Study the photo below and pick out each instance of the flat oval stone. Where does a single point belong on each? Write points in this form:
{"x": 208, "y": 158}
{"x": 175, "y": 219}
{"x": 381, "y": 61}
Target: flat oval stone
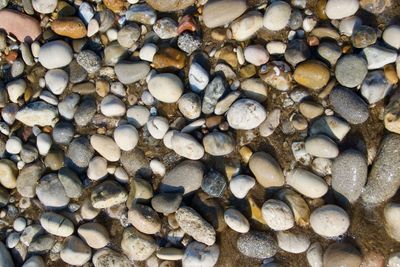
{"x": 187, "y": 146}
{"x": 106, "y": 147}
{"x": 312, "y": 74}
{"x": 246, "y": 114}
{"x": 218, "y": 144}
{"x": 55, "y": 54}
{"x": 343, "y": 254}
{"x": 293, "y": 242}
{"x": 8, "y": 173}
{"x": 247, "y": 25}
{"x": 351, "y": 70}
{"x": 236, "y": 221}
{"x": 75, "y": 251}
{"x": 199, "y": 254}
{"x": 56, "y": 224}
{"x": 277, "y": 215}
{"x": 277, "y": 16}
{"x": 217, "y": 13}
{"x": 255, "y": 244}
{"x": 307, "y": 183}
{"x": 169, "y": 6}
{"x": 391, "y": 36}
{"x": 37, "y": 113}
{"x": 266, "y": 170}
{"x": 137, "y": 246}
{"x": 166, "y": 87}
{"x": 321, "y": 146}
{"x": 329, "y": 221}
{"x": 24, "y": 27}
{"x": 339, "y": 9}
{"x": 240, "y": 185}
{"x": 73, "y": 27}
{"x": 128, "y": 73}
{"x": 144, "y": 219}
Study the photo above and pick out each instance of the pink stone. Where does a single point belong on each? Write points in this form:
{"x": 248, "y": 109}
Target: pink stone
{"x": 24, "y": 27}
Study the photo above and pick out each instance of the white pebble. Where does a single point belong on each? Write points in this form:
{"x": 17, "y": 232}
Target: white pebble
{"x": 14, "y": 145}
{"x": 329, "y": 221}
{"x": 240, "y": 185}
{"x": 157, "y": 167}
{"x": 236, "y": 221}
{"x": 148, "y": 51}
{"x": 112, "y": 106}
{"x": 277, "y": 215}
{"x": 19, "y": 224}
{"x": 43, "y": 143}
{"x": 158, "y": 127}
{"x": 277, "y": 16}
{"x": 339, "y": 9}
{"x": 276, "y": 47}
{"x": 97, "y": 168}
{"x": 126, "y": 136}
{"x": 307, "y": 183}
{"x": 293, "y": 243}
{"x": 256, "y": 55}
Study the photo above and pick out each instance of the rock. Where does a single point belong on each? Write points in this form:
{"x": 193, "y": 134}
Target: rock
{"x": 129, "y": 73}
{"x": 269, "y": 125}
{"x": 251, "y": 114}
{"x": 217, "y": 13}
{"x": 170, "y": 6}
{"x": 126, "y": 137}
{"x": 51, "y": 192}
{"x": 63, "y": 133}
{"x": 141, "y": 13}
{"x": 349, "y": 105}
{"x": 277, "y": 215}
{"x": 108, "y": 194}
{"x": 97, "y": 168}
{"x": 266, "y": 170}
{"x": 254, "y": 89}
{"x": 24, "y": 27}
{"x": 16, "y": 89}
{"x": 137, "y": 246}
{"x": 240, "y": 185}
{"x": 213, "y": 92}
{"x": 75, "y": 251}
{"x": 378, "y": 56}
{"x": 321, "y": 146}
{"x": 89, "y": 60}
{"x": 349, "y": 174}
{"x": 293, "y": 242}
{"x": 144, "y": 219}
{"x": 41, "y": 244}
{"x": 198, "y": 77}
{"x": 312, "y": 74}
{"x": 375, "y": 86}
{"x": 148, "y": 51}
{"x": 70, "y": 27}
{"x": 56, "y": 224}
{"x": 106, "y": 147}
{"x": 391, "y": 215}
{"x": 71, "y": 182}
{"x": 187, "y": 146}
{"x": 390, "y": 36}
{"x": 310, "y": 109}
{"x": 54, "y": 160}
{"x": 384, "y": 177}
{"x": 189, "y": 42}
{"x": 199, "y": 255}
{"x": 157, "y": 127}
{"x": 56, "y": 81}
{"x": 276, "y": 47}
{"x": 349, "y": 24}
{"x": 277, "y": 16}
{"x": 169, "y": 58}
{"x": 128, "y": 35}
{"x": 329, "y": 221}
{"x": 28, "y": 178}
{"x": 246, "y": 26}
{"x": 8, "y": 173}
{"x": 138, "y": 116}
{"x": 297, "y": 52}
{"x": 342, "y": 254}
{"x": 79, "y": 154}
{"x": 37, "y": 113}
{"x": 107, "y": 257}
{"x": 113, "y": 53}
{"x": 392, "y": 112}
{"x": 166, "y": 87}
{"x": 256, "y": 55}
{"x": 330, "y": 126}
{"x": 135, "y": 162}
{"x": 166, "y": 202}
{"x": 307, "y": 183}
{"x": 351, "y": 70}
{"x": 257, "y": 245}
{"x": 213, "y": 183}
{"x": 68, "y": 106}
{"x": 190, "y": 105}
{"x": 55, "y": 54}
{"x": 330, "y": 51}
{"x": 314, "y": 255}
{"x": 339, "y": 9}
{"x": 236, "y": 221}
{"x": 112, "y": 106}
{"x": 29, "y": 153}
{"x": 94, "y": 234}
{"x": 34, "y": 261}
{"x": 218, "y": 144}
{"x": 194, "y": 225}
{"x": 297, "y": 205}
{"x": 5, "y": 256}
{"x": 115, "y": 5}
{"x": 363, "y": 36}
{"x": 87, "y": 211}
{"x": 166, "y": 28}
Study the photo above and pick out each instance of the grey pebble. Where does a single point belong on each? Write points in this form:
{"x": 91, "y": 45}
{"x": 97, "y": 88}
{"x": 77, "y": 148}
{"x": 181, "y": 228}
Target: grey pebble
{"x": 166, "y": 202}
{"x": 255, "y": 244}
{"x": 29, "y": 153}
{"x": 214, "y": 90}
{"x": 63, "y": 133}
{"x": 189, "y": 42}
{"x": 135, "y": 163}
{"x": 85, "y": 111}
{"x": 214, "y": 184}
{"x": 71, "y": 182}
{"x": 28, "y": 178}
{"x": 351, "y": 70}
{"x": 79, "y": 154}
{"x": 375, "y": 86}
{"x": 89, "y": 60}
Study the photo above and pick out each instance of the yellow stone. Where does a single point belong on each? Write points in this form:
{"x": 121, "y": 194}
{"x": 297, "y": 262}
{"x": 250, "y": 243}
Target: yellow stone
{"x": 312, "y": 74}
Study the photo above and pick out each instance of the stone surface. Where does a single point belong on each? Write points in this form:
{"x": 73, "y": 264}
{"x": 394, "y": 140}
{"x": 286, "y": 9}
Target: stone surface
{"x": 329, "y": 221}
{"x": 8, "y": 173}
{"x": 277, "y": 215}
{"x": 166, "y": 87}
{"x": 144, "y": 219}
{"x": 257, "y": 245}
{"x": 351, "y": 70}
{"x": 217, "y": 13}
{"x": 51, "y": 192}
{"x": 37, "y": 113}
{"x": 321, "y": 146}
{"x": 75, "y": 251}
{"x": 199, "y": 255}
{"x": 312, "y": 74}
{"x": 94, "y": 234}
{"x": 24, "y": 27}
{"x": 187, "y": 146}
{"x": 213, "y": 183}
{"x": 108, "y": 194}
{"x": 293, "y": 242}
{"x": 307, "y": 183}
{"x": 266, "y": 170}
{"x": 56, "y": 224}
{"x": 277, "y": 16}
{"x": 55, "y": 54}
{"x": 69, "y": 27}
{"x": 342, "y": 254}
{"x": 240, "y": 185}
{"x": 169, "y": 6}
{"x": 106, "y": 147}
{"x": 246, "y": 114}
{"x": 128, "y": 73}
{"x": 218, "y": 144}
{"x": 339, "y": 9}
{"x": 246, "y": 26}
{"x": 137, "y": 246}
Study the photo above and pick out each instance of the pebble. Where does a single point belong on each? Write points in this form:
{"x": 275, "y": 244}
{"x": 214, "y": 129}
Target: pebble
{"x": 277, "y": 16}
{"x": 330, "y": 51}
{"x": 310, "y": 109}
{"x": 113, "y": 53}
{"x": 194, "y": 225}
{"x": 72, "y": 27}
{"x": 89, "y": 60}
{"x": 312, "y": 74}
{"x": 390, "y": 36}
{"x": 97, "y": 168}
{"x": 339, "y": 9}
{"x": 108, "y": 257}
{"x": 214, "y": 183}
{"x": 276, "y": 47}
{"x": 166, "y": 28}
{"x": 293, "y": 242}
{"x": 213, "y": 92}
{"x": 87, "y": 211}
{"x": 378, "y": 56}
{"x": 106, "y": 147}
{"x": 329, "y": 221}
{"x": 246, "y": 114}
{"x": 166, "y": 202}
{"x": 129, "y": 73}
{"x": 19, "y": 224}
{"x": 363, "y": 36}
{"x": 94, "y": 234}
{"x": 112, "y": 106}
{"x": 307, "y": 183}
{"x": 55, "y": 54}
{"x": 15, "y": 89}
{"x": 269, "y": 125}
{"x": 137, "y": 246}
{"x": 79, "y": 154}
{"x": 75, "y": 251}
{"x": 190, "y": 105}
{"x": 24, "y": 27}
{"x": 330, "y": 126}
{"x": 218, "y": 144}
{"x": 37, "y": 113}
{"x": 71, "y": 182}
{"x": 236, "y": 221}
{"x": 5, "y": 256}
{"x": 148, "y": 51}
{"x": 126, "y": 137}
{"x": 321, "y": 146}
{"x": 266, "y": 170}
{"x": 314, "y": 255}
{"x": 257, "y": 245}
{"x": 44, "y": 6}
{"x": 187, "y": 146}
{"x": 256, "y": 55}
{"x": 56, "y": 81}
{"x": 277, "y": 215}
{"x": 240, "y": 185}
{"x": 349, "y": 24}
{"x": 51, "y": 192}
{"x": 246, "y": 26}
{"x": 391, "y": 215}
{"x": 138, "y": 116}
{"x": 14, "y": 145}
{"x": 56, "y": 224}
{"x": 27, "y": 178}
{"x": 342, "y": 254}
{"x": 297, "y": 204}
{"x": 375, "y": 86}
{"x": 135, "y": 162}
{"x": 141, "y": 13}
{"x": 144, "y": 219}
{"x": 351, "y": 70}
{"x": 166, "y": 87}
{"x": 157, "y": 127}
{"x": 43, "y": 143}
{"x": 198, "y": 77}
{"x": 197, "y": 254}
{"x": 63, "y": 133}
{"x": 12, "y": 240}
{"x": 189, "y": 42}
{"x": 220, "y": 12}
{"x": 108, "y": 194}
{"x": 128, "y": 35}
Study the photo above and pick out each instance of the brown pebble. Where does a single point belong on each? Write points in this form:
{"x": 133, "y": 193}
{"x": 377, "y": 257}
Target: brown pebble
{"x": 312, "y": 74}
{"x": 102, "y": 88}
{"x": 85, "y": 88}
{"x": 132, "y": 99}
{"x": 115, "y": 5}
{"x": 320, "y": 9}
{"x": 246, "y": 153}
{"x": 313, "y": 41}
{"x": 391, "y": 74}
{"x": 224, "y": 126}
{"x": 218, "y": 34}
{"x": 11, "y": 56}
{"x": 299, "y": 122}
{"x": 328, "y": 88}
{"x": 247, "y": 71}
{"x": 70, "y": 27}
{"x": 213, "y": 121}
{"x": 169, "y": 57}
{"x": 229, "y": 56}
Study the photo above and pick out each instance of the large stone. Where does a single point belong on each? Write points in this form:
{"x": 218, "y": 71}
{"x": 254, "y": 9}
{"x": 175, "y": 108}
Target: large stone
{"x": 170, "y": 5}
{"x": 312, "y": 74}
{"x": 259, "y": 245}
{"x": 55, "y": 54}
{"x": 28, "y": 178}
{"x": 217, "y": 13}
{"x": 37, "y": 113}
{"x": 246, "y": 114}
{"x": 70, "y": 27}
{"x": 137, "y": 246}
{"x": 8, "y": 173}
{"x": 107, "y": 257}
{"x": 266, "y": 170}
{"x": 106, "y": 147}
{"x": 24, "y": 27}
{"x": 108, "y": 194}
{"x": 128, "y": 73}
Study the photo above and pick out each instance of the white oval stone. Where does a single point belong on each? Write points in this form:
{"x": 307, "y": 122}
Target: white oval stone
{"x": 187, "y": 146}
{"x": 339, "y": 9}
{"x": 97, "y": 168}
{"x": 240, "y": 185}
{"x": 329, "y": 221}
{"x": 106, "y": 147}
{"x": 158, "y": 127}
{"x": 166, "y": 87}
{"x": 236, "y": 221}
{"x": 307, "y": 183}
{"x": 157, "y": 167}
{"x": 55, "y": 54}
{"x": 246, "y": 114}
{"x": 392, "y": 217}
{"x": 293, "y": 243}
{"x": 276, "y": 47}
{"x": 348, "y": 25}
{"x": 14, "y": 145}
{"x": 391, "y": 36}
{"x": 112, "y": 106}
{"x": 43, "y": 143}
{"x": 15, "y": 89}
{"x": 277, "y": 215}
{"x": 277, "y": 16}
{"x": 138, "y": 116}
{"x": 246, "y": 26}
{"x": 148, "y": 51}
{"x": 126, "y": 136}
{"x": 198, "y": 77}
{"x": 321, "y": 146}
{"x": 314, "y": 255}
{"x": 56, "y": 224}
{"x": 256, "y": 55}
{"x": 56, "y": 81}
{"x": 75, "y": 251}
{"x": 94, "y": 234}
{"x": 34, "y": 261}
{"x": 167, "y": 140}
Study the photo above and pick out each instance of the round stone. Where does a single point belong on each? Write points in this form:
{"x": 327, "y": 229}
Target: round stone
{"x": 14, "y": 145}
{"x": 106, "y": 147}
{"x": 351, "y": 70}
{"x": 256, "y": 55}
{"x": 190, "y": 105}
{"x": 144, "y": 219}
{"x": 221, "y": 12}
{"x": 51, "y": 192}
{"x": 56, "y": 81}
{"x": 307, "y": 183}
{"x": 257, "y": 245}
{"x": 312, "y": 74}
{"x": 166, "y": 87}
{"x": 339, "y": 9}
{"x": 218, "y": 144}
{"x": 44, "y": 6}
{"x": 277, "y": 215}
{"x": 128, "y": 35}
{"x": 266, "y": 170}
{"x": 342, "y": 254}
{"x": 236, "y": 221}
{"x": 293, "y": 242}
{"x": 246, "y": 114}
{"x": 247, "y": 25}
{"x": 329, "y": 221}
{"x": 94, "y": 234}
{"x": 158, "y": 127}
{"x": 321, "y": 146}
{"x": 97, "y": 168}
{"x": 138, "y": 116}
{"x": 391, "y": 36}
{"x": 55, "y": 54}
{"x": 137, "y": 246}
{"x": 240, "y": 185}
{"x": 277, "y": 16}
{"x": 75, "y": 251}
{"x": 112, "y": 106}
{"x": 200, "y": 255}
{"x": 187, "y": 146}
{"x": 56, "y": 224}
{"x": 126, "y": 136}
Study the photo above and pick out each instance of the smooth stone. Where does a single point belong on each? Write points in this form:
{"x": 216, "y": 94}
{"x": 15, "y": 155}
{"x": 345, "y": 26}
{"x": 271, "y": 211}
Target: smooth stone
{"x": 67, "y": 107}
{"x": 213, "y": 183}
{"x": 224, "y": 104}
{"x": 198, "y": 77}
{"x": 375, "y": 86}
{"x": 257, "y": 245}
{"x": 71, "y": 182}
{"x": 157, "y": 126}
{"x": 330, "y": 126}
{"x": 43, "y": 143}
{"x": 113, "y": 53}
{"x": 135, "y": 162}
{"x": 256, "y": 55}
{"x": 312, "y": 74}
{"x": 56, "y": 224}
{"x": 108, "y": 194}
{"x": 391, "y": 36}
{"x": 296, "y": 52}
{"x": 246, "y": 26}
{"x": 240, "y": 185}
{"x": 349, "y": 105}
{"x": 54, "y": 160}
{"x": 329, "y": 221}
{"x": 166, "y": 28}
{"x": 148, "y": 51}
{"x": 187, "y": 146}
{"x": 56, "y": 80}
{"x": 297, "y": 204}
{"x": 126, "y": 137}
{"x": 378, "y": 56}
{"x": 321, "y": 146}
{"x": 276, "y": 47}
{"x": 94, "y": 234}
{"x": 310, "y": 109}
{"x": 194, "y": 225}
{"x": 138, "y": 116}
{"x": 75, "y": 251}
{"x": 28, "y": 178}
{"x": 189, "y": 105}
{"x": 166, "y": 202}
{"x": 85, "y": 111}
{"x": 351, "y": 70}
{"x": 363, "y": 36}
{"x": 170, "y": 6}
{"x": 37, "y": 113}
{"x": 30, "y": 233}
{"x": 24, "y": 27}
{"x": 330, "y": 51}
{"x": 29, "y": 153}
{"x": 51, "y": 192}
{"x": 277, "y": 16}
{"x": 129, "y": 73}
{"x": 72, "y": 28}
{"x": 137, "y": 246}
{"x": 236, "y": 221}
{"x": 76, "y": 72}
{"x": 106, "y": 147}
{"x": 266, "y": 170}
{"x": 214, "y": 90}
{"x": 349, "y": 24}
{"x": 307, "y": 183}
{"x": 384, "y": 177}
{"x": 55, "y": 54}
{"x": 199, "y": 255}
{"x": 44, "y": 6}
{"x": 218, "y": 144}
{"x": 217, "y": 13}
{"x": 391, "y": 216}
{"x": 89, "y": 60}
{"x": 41, "y": 244}
{"x": 342, "y": 254}
{"x": 112, "y": 106}
{"x": 87, "y": 211}
{"x": 128, "y": 35}
{"x": 16, "y": 89}
{"x": 168, "y": 58}
{"x": 339, "y": 9}
{"x": 255, "y": 89}
{"x": 97, "y": 168}
{"x": 63, "y": 133}
{"x": 314, "y": 255}
{"x": 166, "y": 87}
{"x": 293, "y": 242}
{"x": 5, "y": 257}
{"x": 171, "y": 254}
{"x": 79, "y": 154}
{"x": 34, "y": 261}
{"x": 141, "y": 13}
{"x": 349, "y": 174}
{"x": 269, "y": 125}
{"x": 107, "y": 257}
{"x": 246, "y": 114}
{"x": 277, "y": 215}
{"x": 14, "y": 145}
{"x": 144, "y": 219}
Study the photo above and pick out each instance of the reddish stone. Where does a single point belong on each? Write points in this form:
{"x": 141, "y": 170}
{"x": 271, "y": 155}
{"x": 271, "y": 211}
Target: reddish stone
{"x": 11, "y": 57}
{"x": 187, "y": 24}
{"x": 24, "y": 27}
